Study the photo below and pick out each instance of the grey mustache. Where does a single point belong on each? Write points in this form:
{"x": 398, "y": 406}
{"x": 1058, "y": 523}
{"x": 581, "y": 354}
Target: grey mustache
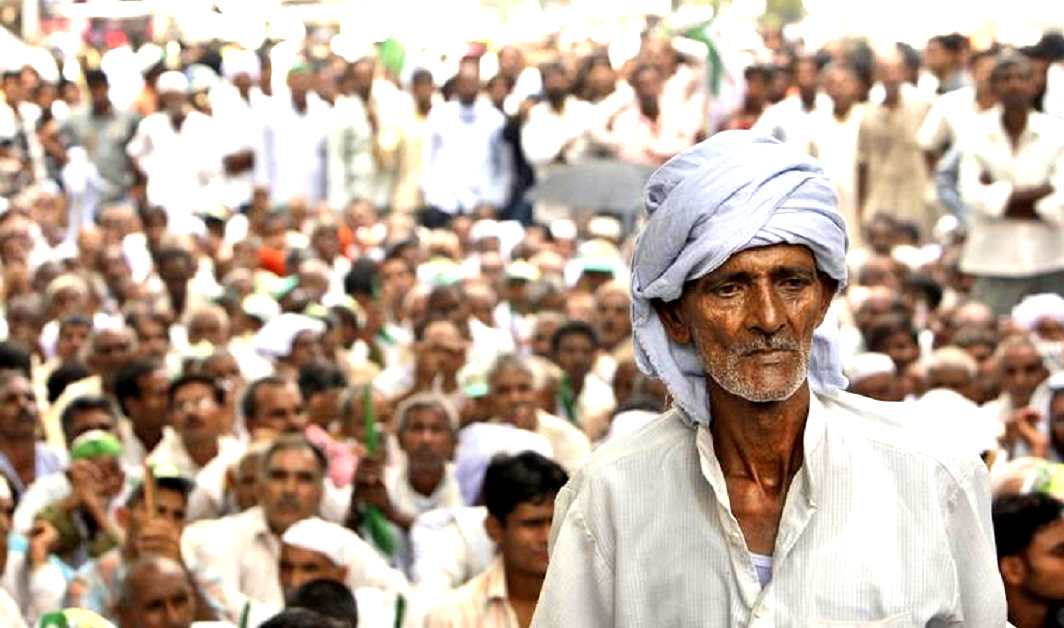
{"x": 774, "y": 343}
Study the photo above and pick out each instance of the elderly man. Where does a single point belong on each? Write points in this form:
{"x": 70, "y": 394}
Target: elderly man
{"x": 727, "y": 510}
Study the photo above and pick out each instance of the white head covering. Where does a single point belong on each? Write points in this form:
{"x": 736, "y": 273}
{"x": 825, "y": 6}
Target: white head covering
{"x": 1033, "y": 308}
{"x": 172, "y": 81}
{"x": 5, "y": 489}
{"x": 237, "y": 62}
{"x": 733, "y": 192}
{"x": 480, "y": 442}
{"x": 275, "y": 338}
{"x": 865, "y": 365}
{"x": 323, "y": 537}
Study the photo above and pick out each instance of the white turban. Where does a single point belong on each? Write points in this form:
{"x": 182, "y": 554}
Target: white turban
{"x": 275, "y": 338}
{"x": 323, "y": 537}
{"x": 480, "y": 442}
{"x": 241, "y": 62}
{"x": 736, "y": 191}
{"x": 1036, "y": 307}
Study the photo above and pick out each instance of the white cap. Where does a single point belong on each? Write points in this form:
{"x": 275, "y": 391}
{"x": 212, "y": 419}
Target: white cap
{"x": 5, "y": 488}
{"x": 480, "y": 442}
{"x": 236, "y": 62}
{"x": 172, "y": 81}
{"x": 275, "y": 338}
{"x": 606, "y": 227}
{"x": 1036, "y": 307}
{"x": 864, "y": 365}
{"x": 483, "y": 229}
{"x": 323, "y": 537}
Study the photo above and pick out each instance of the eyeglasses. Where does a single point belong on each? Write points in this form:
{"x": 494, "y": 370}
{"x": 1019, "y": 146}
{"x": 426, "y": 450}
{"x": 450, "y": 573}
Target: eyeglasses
{"x": 199, "y": 403}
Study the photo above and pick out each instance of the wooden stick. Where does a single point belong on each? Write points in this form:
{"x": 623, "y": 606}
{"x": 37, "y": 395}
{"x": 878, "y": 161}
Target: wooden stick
{"x": 149, "y": 491}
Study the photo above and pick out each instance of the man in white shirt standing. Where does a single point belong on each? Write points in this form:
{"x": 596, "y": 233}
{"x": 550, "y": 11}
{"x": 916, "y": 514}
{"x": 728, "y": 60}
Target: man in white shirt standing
{"x": 1012, "y": 179}
{"x": 466, "y": 163}
{"x": 766, "y": 496}
{"x": 556, "y": 132}
{"x": 293, "y": 152}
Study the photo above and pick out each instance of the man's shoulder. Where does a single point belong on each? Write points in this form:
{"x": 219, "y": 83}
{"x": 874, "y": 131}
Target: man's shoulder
{"x": 906, "y": 430}
{"x": 647, "y": 446}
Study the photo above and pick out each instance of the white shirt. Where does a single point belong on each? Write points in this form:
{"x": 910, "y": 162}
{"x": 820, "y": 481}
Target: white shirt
{"x": 549, "y": 135}
{"x": 171, "y": 450}
{"x": 239, "y": 129}
{"x": 354, "y": 170}
{"x": 293, "y": 156}
{"x": 881, "y": 527}
{"x": 949, "y": 119}
{"x": 10, "y": 615}
{"x": 789, "y": 121}
{"x": 466, "y": 161}
{"x": 1006, "y": 247}
{"x": 834, "y": 144}
{"x": 180, "y": 165}
{"x": 571, "y": 446}
{"x": 411, "y": 503}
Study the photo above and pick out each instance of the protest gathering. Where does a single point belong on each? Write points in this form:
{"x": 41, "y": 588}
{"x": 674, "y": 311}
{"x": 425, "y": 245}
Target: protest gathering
{"x": 655, "y": 318}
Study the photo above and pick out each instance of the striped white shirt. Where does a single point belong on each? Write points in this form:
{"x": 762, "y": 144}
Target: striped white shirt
{"x": 881, "y": 527}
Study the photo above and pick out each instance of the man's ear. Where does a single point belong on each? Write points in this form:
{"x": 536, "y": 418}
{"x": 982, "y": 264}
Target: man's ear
{"x": 494, "y": 529}
{"x": 672, "y": 318}
{"x": 1013, "y": 570}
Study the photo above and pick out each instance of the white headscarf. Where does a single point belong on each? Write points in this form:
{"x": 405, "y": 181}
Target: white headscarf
{"x": 736, "y": 191}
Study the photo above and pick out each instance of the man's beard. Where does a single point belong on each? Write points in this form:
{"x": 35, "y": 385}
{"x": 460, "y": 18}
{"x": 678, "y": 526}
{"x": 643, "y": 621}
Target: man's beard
{"x": 726, "y": 370}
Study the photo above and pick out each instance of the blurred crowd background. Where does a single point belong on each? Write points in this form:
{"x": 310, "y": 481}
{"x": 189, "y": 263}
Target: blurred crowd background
{"x": 320, "y": 303}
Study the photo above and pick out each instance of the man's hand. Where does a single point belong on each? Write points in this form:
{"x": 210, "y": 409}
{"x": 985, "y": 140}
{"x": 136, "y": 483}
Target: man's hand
{"x": 86, "y": 482}
{"x": 43, "y": 540}
{"x": 1021, "y": 205}
{"x": 1023, "y": 424}
{"x": 158, "y": 537}
{"x": 985, "y": 178}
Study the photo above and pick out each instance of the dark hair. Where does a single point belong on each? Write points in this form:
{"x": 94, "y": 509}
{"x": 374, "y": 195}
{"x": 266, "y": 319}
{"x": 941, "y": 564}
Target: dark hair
{"x": 327, "y": 597}
{"x": 249, "y": 404}
{"x": 76, "y": 320}
{"x": 1017, "y": 518}
{"x": 573, "y": 328}
{"x": 14, "y": 357}
{"x": 420, "y": 76}
{"x": 187, "y": 379}
{"x": 758, "y": 71}
{"x": 127, "y": 385}
{"x": 175, "y": 484}
{"x": 95, "y": 78}
{"x": 885, "y": 327}
{"x": 302, "y": 618}
{"x": 320, "y": 376}
{"x": 65, "y": 375}
{"x": 289, "y": 442}
{"x": 87, "y": 403}
{"x": 953, "y": 42}
{"x": 527, "y": 477}
{"x": 363, "y": 278}
{"x": 909, "y": 56}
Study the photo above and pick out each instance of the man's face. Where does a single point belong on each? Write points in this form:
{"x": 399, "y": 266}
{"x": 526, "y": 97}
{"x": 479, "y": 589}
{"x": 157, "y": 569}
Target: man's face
{"x": 427, "y": 439}
{"x": 150, "y": 407}
{"x": 91, "y": 419}
{"x": 936, "y": 57}
{"x": 18, "y": 409}
{"x": 306, "y": 348}
{"x": 648, "y": 85}
{"x": 327, "y": 244}
{"x": 612, "y": 321}
{"x": 541, "y": 337}
{"x": 806, "y": 77}
{"x": 1022, "y": 370}
{"x": 556, "y": 85}
{"x": 951, "y": 378}
{"x": 1044, "y": 565}
{"x": 280, "y": 408}
{"x": 111, "y": 349}
{"x": 299, "y": 566}
{"x": 323, "y": 408}
{"x": 841, "y": 85}
{"x": 246, "y": 482}
{"x": 292, "y": 488}
{"x": 522, "y": 539}
{"x": 752, "y": 320}
{"x": 467, "y": 84}
{"x": 208, "y": 326}
{"x": 396, "y": 279}
{"x": 175, "y": 272}
{"x": 1015, "y": 86}
{"x": 72, "y": 337}
{"x": 443, "y": 349}
{"x": 902, "y": 349}
{"x": 170, "y": 505}
{"x": 515, "y": 398}
{"x": 195, "y": 413}
{"x": 159, "y": 599}
{"x": 224, "y": 369}
{"x": 153, "y": 340}
{"x": 576, "y": 355}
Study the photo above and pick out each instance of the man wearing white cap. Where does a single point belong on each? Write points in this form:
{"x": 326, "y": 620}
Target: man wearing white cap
{"x": 874, "y": 375}
{"x": 177, "y": 150}
{"x": 238, "y": 105}
{"x": 765, "y": 496}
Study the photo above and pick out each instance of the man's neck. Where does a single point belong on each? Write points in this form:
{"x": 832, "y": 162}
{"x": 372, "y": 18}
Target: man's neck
{"x": 201, "y": 451}
{"x": 984, "y": 99}
{"x": 759, "y": 442}
{"x": 426, "y": 481}
{"x": 149, "y": 436}
{"x": 522, "y": 587}
{"x": 808, "y": 100}
{"x": 22, "y": 454}
{"x": 842, "y": 111}
{"x": 1025, "y": 612}
{"x": 1014, "y": 119}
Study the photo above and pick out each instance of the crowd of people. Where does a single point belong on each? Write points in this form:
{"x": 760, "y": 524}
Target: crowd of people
{"x": 307, "y": 352}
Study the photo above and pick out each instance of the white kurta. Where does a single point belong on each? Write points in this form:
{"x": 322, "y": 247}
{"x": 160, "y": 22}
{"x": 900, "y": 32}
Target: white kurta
{"x": 293, "y": 155}
{"x": 882, "y": 526}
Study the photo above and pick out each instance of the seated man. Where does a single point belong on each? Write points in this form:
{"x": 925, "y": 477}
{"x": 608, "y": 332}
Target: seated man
{"x": 515, "y": 403}
{"x": 1029, "y": 530}
{"x": 244, "y": 550}
{"x": 519, "y": 493}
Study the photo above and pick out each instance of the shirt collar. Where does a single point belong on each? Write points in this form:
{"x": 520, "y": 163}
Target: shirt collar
{"x": 495, "y": 583}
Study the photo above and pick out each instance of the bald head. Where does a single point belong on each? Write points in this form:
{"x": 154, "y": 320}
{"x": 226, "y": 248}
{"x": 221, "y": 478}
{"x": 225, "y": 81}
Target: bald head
{"x": 156, "y": 593}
